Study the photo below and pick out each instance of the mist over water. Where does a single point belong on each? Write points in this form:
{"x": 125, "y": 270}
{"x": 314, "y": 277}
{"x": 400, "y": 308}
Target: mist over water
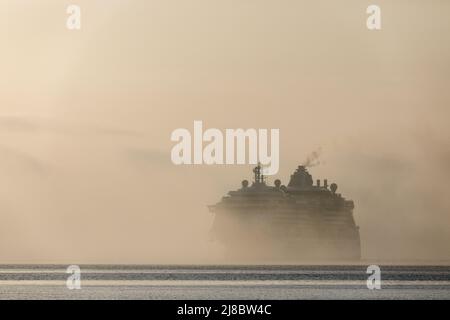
{"x": 85, "y": 123}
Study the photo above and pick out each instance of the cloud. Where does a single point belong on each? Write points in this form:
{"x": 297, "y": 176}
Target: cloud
{"x": 14, "y": 159}
{"x": 146, "y": 156}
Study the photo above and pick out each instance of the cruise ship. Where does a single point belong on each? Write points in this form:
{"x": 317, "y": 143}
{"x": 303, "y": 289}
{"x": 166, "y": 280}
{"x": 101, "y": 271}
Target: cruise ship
{"x": 299, "y": 222}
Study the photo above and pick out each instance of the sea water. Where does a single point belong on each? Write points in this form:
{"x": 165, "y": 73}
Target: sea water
{"x": 223, "y": 282}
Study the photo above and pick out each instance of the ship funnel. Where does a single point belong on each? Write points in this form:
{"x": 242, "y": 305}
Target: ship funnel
{"x": 325, "y": 183}
{"x": 318, "y": 182}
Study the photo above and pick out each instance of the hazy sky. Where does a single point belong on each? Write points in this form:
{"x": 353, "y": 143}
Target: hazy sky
{"x": 86, "y": 117}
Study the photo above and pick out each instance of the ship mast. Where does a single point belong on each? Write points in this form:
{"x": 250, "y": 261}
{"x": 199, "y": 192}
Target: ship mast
{"x": 259, "y": 177}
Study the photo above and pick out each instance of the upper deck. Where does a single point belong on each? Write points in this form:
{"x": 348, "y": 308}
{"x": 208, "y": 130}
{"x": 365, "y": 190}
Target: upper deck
{"x": 300, "y": 193}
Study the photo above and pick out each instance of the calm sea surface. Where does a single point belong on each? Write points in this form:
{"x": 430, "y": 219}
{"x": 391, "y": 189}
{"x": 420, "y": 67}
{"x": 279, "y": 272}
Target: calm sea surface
{"x": 223, "y": 282}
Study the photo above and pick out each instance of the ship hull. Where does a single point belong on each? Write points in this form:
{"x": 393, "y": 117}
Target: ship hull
{"x": 284, "y": 236}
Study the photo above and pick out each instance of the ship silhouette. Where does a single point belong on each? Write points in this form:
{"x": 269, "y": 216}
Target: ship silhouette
{"x": 300, "y": 222}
